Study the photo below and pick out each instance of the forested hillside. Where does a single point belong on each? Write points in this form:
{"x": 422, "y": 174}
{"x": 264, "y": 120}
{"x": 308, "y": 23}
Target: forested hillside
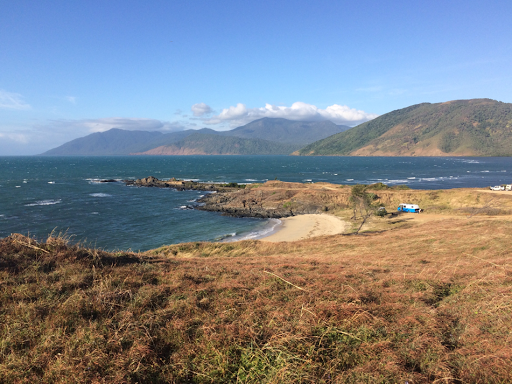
{"x": 478, "y": 127}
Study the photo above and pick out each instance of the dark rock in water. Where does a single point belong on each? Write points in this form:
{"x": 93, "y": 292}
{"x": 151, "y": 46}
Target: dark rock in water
{"x": 181, "y": 185}
{"x": 108, "y": 181}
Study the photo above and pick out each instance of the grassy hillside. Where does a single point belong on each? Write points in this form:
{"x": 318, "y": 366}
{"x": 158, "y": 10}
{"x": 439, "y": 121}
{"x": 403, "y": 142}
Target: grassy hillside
{"x": 425, "y": 303}
{"x": 208, "y": 144}
{"x": 298, "y": 133}
{"x": 479, "y": 127}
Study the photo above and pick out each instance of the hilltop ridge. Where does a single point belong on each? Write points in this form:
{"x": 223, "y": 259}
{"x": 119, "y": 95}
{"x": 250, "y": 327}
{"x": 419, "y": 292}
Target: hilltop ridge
{"x": 476, "y": 127}
{"x": 266, "y": 136}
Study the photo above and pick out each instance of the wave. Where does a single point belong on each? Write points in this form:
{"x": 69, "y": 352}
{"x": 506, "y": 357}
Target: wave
{"x": 469, "y": 161}
{"x": 398, "y": 181}
{"x": 224, "y": 237}
{"x": 186, "y": 207}
{"x": 267, "y": 230}
{"x": 99, "y": 195}
{"x": 51, "y": 182}
{"x": 43, "y": 202}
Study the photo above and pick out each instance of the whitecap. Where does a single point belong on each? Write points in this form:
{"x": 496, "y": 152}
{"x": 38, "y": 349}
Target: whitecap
{"x": 398, "y": 181}
{"x": 266, "y": 231}
{"x": 18, "y": 186}
{"x": 44, "y": 202}
{"x": 350, "y": 179}
{"x": 95, "y": 213}
{"x": 51, "y": 182}
{"x": 251, "y": 180}
{"x": 224, "y": 237}
{"x": 99, "y": 194}
{"x": 411, "y": 178}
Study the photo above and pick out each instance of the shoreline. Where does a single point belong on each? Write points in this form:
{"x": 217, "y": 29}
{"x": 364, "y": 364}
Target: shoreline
{"x": 303, "y": 227}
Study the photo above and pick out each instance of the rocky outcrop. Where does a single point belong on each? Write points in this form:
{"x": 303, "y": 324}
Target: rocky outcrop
{"x": 183, "y": 185}
{"x": 272, "y": 200}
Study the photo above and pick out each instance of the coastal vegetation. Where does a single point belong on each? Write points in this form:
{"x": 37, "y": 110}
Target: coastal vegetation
{"x": 477, "y": 127}
{"x": 414, "y": 298}
{"x": 374, "y": 308}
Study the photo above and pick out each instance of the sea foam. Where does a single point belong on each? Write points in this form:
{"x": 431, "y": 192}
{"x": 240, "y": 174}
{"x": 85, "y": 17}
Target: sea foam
{"x": 43, "y": 202}
{"x": 99, "y": 195}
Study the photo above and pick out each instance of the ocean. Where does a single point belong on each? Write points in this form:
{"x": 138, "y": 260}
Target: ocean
{"x": 41, "y": 195}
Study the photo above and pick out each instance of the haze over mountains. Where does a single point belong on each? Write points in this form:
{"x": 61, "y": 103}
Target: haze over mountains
{"x": 268, "y": 136}
{"x": 477, "y": 127}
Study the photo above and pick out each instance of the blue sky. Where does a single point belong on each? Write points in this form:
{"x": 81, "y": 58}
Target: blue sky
{"x": 69, "y": 68}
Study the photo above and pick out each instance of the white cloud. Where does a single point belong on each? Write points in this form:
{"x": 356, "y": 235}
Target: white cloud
{"x": 201, "y": 109}
{"x": 15, "y": 136}
{"x": 339, "y": 114}
{"x": 71, "y": 99}
{"x": 9, "y": 100}
{"x": 101, "y": 125}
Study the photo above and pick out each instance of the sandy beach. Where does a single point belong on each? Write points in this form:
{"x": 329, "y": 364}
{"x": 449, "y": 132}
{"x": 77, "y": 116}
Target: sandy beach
{"x": 306, "y": 226}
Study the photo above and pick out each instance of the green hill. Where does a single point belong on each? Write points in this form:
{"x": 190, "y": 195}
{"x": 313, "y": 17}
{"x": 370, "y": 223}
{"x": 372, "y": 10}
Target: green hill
{"x": 477, "y": 127}
{"x": 112, "y": 142}
{"x": 263, "y": 137}
{"x": 298, "y": 133}
{"x": 119, "y": 142}
{"x": 214, "y": 144}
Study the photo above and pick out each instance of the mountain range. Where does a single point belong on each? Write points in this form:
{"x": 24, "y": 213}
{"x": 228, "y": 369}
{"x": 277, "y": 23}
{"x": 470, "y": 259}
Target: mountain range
{"x": 267, "y": 136}
{"x": 476, "y": 127}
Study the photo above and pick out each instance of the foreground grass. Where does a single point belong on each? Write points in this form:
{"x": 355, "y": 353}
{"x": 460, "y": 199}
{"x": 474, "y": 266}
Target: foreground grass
{"x": 429, "y": 303}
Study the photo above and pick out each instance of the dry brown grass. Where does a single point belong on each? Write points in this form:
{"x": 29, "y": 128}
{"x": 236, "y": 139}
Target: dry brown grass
{"x": 428, "y": 303}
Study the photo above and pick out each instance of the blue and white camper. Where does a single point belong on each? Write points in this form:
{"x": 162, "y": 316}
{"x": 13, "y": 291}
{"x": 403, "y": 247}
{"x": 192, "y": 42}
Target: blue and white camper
{"x": 412, "y": 208}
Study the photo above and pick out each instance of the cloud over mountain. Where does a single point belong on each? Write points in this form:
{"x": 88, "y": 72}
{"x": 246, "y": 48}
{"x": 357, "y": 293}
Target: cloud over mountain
{"x": 104, "y": 124}
{"x": 339, "y": 114}
{"x": 201, "y": 109}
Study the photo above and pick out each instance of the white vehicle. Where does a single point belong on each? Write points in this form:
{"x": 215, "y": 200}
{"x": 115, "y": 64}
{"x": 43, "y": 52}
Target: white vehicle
{"x": 497, "y": 188}
{"x": 508, "y": 187}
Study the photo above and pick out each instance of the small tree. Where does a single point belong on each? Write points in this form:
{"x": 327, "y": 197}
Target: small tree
{"x": 362, "y": 204}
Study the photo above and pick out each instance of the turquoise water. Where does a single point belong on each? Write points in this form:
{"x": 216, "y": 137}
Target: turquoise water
{"x": 41, "y": 194}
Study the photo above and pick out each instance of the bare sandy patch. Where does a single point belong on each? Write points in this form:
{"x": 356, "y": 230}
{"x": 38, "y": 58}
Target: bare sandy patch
{"x": 307, "y": 226}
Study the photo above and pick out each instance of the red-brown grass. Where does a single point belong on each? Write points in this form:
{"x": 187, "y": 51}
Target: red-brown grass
{"x": 428, "y": 303}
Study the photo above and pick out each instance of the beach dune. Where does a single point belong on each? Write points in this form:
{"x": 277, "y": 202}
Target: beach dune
{"x": 306, "y": 226}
